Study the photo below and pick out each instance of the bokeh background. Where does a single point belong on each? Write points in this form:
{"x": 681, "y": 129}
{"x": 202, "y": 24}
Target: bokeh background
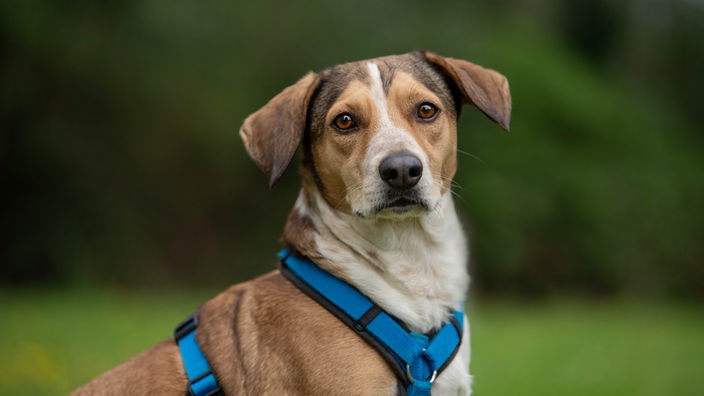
{"x": 128, "y": 197}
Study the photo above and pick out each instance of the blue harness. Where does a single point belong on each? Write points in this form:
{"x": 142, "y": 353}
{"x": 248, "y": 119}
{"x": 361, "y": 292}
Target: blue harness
{"x": 201, "y": 380}
{"x": 415, "y": 358}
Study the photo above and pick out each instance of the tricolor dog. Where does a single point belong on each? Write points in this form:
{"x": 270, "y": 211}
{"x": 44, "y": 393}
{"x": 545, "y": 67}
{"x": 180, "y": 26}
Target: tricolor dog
{"x": 369, "y": 295}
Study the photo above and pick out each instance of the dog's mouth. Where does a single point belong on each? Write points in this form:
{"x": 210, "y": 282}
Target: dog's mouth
{"x": 396, "y": 205}
{"x": 403, "y": 204}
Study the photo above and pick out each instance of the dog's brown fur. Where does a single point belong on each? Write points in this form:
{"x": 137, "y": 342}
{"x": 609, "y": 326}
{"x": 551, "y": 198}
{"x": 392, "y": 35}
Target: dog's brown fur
{"x": 251, "y": 334}
{"x": 265, "y": 337}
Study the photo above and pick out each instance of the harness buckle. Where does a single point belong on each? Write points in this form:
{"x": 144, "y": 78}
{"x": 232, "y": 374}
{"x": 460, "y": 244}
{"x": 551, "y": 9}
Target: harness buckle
{"x": 410, "y": 376}
{"x": 189, "y": 324}
{"x": 209, "y": 384}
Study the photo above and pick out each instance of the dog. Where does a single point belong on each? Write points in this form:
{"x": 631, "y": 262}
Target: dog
{"x": 375, "y": 211}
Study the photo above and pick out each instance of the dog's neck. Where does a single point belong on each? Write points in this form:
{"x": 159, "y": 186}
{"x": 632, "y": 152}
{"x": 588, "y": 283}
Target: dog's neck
{"x": 414, "y": 268}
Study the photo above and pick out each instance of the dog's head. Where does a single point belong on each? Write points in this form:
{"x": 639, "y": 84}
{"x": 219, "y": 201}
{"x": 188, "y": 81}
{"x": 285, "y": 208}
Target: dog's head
{"x": 379, "y": 135}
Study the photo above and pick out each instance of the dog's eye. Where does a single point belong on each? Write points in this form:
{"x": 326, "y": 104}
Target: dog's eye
{"x": 344, "y": 122}
{"x": 427, "y": 111}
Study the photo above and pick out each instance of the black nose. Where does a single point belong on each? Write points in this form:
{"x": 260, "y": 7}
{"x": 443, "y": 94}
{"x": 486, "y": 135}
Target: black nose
{"x": 401, "y": 170}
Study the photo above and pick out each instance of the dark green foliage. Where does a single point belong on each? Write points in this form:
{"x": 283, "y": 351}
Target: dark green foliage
{"x": 120, "y": 159}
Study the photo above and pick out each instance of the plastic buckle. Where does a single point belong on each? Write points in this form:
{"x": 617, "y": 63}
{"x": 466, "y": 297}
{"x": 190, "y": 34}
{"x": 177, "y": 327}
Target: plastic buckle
{"x": 217, "y": 390}
{"x": 186, "y": 327}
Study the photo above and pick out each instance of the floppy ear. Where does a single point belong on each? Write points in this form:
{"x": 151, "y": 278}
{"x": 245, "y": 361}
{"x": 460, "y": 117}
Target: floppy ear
{"x": 485, "y": 88}
{"x": 272, "y": 134}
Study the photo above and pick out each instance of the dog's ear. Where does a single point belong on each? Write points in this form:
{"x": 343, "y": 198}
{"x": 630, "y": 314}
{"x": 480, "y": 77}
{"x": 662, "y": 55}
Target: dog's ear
{"x": 485, "y": 88}
{"x": 272, "y": 134}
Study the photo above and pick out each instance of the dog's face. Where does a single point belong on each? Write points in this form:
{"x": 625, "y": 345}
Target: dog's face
{"x": 379, "y": 135}
{"x": 389, "y": 127}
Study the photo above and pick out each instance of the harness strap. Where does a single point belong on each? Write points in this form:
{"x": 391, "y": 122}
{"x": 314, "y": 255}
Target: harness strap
{"x": 415, "y": 358}
{"x": 201, "y": 380}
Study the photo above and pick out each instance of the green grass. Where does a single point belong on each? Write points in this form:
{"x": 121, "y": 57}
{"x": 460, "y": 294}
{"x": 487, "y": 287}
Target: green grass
{"x": 52, "y": 341}
{"x": 577, "y": 348}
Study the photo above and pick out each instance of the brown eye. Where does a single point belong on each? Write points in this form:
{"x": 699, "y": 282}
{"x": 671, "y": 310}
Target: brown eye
{"x": 344, "y": 122}
{"x": 427, "y": 111}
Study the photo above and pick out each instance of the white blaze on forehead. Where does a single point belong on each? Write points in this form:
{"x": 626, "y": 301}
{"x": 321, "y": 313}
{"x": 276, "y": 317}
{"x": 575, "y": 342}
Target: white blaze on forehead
{"x": 389, "y": 137}
{"x": 379, "y": 97}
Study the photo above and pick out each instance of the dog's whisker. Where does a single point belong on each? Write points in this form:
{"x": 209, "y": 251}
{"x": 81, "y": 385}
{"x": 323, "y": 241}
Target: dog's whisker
{"x": 470, "y": 155}
{"x": 439, "y": 177}
{"x": 458, "y": 196}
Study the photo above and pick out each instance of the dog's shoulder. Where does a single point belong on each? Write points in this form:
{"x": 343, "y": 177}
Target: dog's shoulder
{"x": 270, "y": 320}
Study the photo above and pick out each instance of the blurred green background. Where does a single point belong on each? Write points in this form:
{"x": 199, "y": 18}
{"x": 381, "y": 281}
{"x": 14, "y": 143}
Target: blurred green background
{"x": 128, "y": 197}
